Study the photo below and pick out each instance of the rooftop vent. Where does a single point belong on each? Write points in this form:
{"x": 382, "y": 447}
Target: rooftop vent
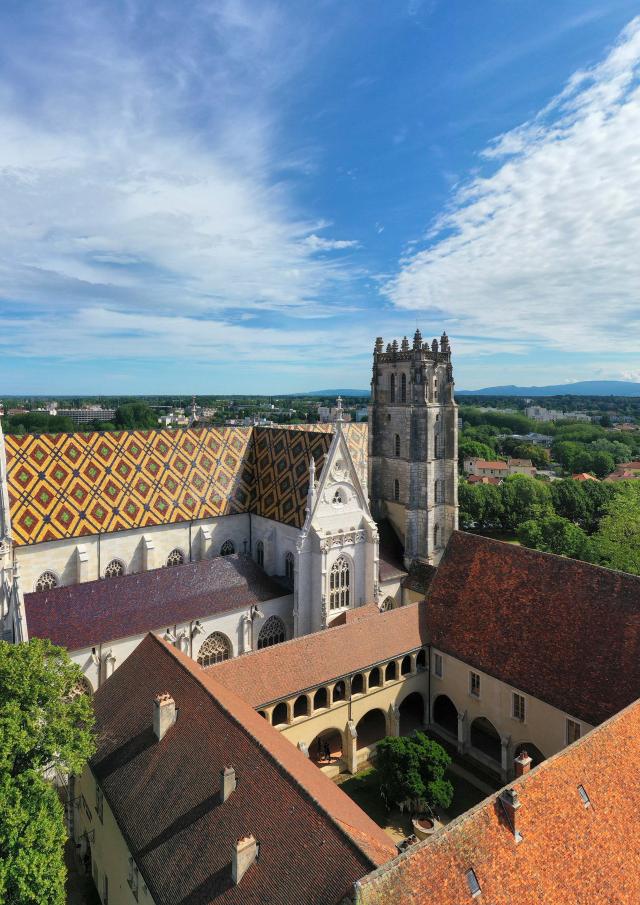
{"x": 472, "y": 880}
{"x": 585, "y": 797}
{"x": 511, "y": 804}
{"x": 228, "y": 782}
{"x": 245, "y": 853}
{"x": 164, "y": 714}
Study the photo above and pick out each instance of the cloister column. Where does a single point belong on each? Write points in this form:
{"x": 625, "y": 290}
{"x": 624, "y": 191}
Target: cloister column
{"x": 350, "y": 747}
{"x": 462, "y": 732}
{"x": 302, "y": 746}
{"x": 505, "y": 772}
{"x": 394, "y": 720}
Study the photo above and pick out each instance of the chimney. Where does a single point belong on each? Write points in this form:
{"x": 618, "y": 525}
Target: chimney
{"x": 228, "y": 782}
{"x": 164, "y": 714}
{"x": 522, "y": 764}
{"x": 245, "y": 852}
{"x": 511, "y": 803}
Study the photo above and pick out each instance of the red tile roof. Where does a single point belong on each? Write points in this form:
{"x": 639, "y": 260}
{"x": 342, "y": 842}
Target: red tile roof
{"x": 482, "y": 463}
{"x": 275, "y": 672}
{"x": 569, "y": 853}
{"x": 314, "y": 841}
{"x": 96, "y": 612}
{"x": 358, "y": 615}
{"x": 421, "y": 574}
{"x": 564, "y": 631}
{"x": 583, "y": 476}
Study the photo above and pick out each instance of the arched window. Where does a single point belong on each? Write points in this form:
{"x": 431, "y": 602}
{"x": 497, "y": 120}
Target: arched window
{"x": 260, "y": 554}
{"x": 439, "y": 491}
{"x": 114, "y": 568}
{"x": 339, "y": 584}
{"x": 338, "y": 499}
{"x": 289, "y": 565}
{"x": 387, "y": 604}
{"x": 215, "y": 649}
{"x": 227, "y": 549}
{"x": 46, "y": 582}
{"x": 301, "y": 706}
{"x": 392, "y": 388}
{"x": 175, "y": 558}
{"x": 396, "y": 490}
{"x": 390, "y": 671}
{"x": 280, "y": 714}
{"x": 436, "y": 536}
{"x": 320, "y": 699}
{"x": 397, "y": 444}
{"x": 272, "y": 632}
{"x": 403, "y": 388}
{"x": 82, "y": 686}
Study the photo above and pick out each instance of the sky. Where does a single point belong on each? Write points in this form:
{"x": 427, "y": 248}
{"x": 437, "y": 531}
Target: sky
{"x": 238, "y": 196}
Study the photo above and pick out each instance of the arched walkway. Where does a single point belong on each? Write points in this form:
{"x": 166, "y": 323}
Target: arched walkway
{"x": 534, "y": 753}
{"x": 412, "y": 713}
{"x": 445, "y": 714}
{"x": 486, "y": 738}
{"x": 371, "y": 728}
{"x": 326, "y": 748}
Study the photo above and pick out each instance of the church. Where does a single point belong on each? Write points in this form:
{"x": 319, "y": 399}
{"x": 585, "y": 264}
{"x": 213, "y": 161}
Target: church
{"x": 223, "y": 540}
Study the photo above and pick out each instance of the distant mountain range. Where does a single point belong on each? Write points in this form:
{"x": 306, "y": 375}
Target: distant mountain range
{"x": 581, "y": 388}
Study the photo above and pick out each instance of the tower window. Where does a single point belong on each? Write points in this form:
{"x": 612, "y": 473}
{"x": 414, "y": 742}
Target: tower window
{"x": 227, "y": 549}
{"x": 260, "y": 554}
{"x": 439, "y": 491}
{"x": 396, "y": 490}
{"x": 403, "y": 388}
{"x": 436, "y": 536}
{"x": 392, "y": 388}
{"x": 339, "y": 584}
{"x": 397, "y": 444}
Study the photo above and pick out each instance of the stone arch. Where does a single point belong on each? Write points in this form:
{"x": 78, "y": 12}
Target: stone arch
{"x": 375, "y": 678}
{"x": 227, "y": 549}
{"x": 339, "y": 692}
{"x": 214, "y": 649}
{"x": 301, "y": 706}
{"x": 326, "y": 747}
{"x": 357, "y": 684}
{"x": 405, "y": 666}
{"x": 412, "y": 713}
{"x": 114, "y": 569}
{"x": 47, "y": 581}
{"x": 532, "y": 750}
{"x": 272, "y": 632}
{"x": 320, "y": 699}
{"x": 391, "y": 671}
{"x": 371, "y": 728}
{"x": 485, "y": 737}
{"x": 445, "y": 714}
{"x": 280, "y": 714}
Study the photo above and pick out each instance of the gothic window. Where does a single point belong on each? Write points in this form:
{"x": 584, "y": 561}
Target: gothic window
{"x": 396, "y": 490}
{"x": 289, "y": 566}
{"x": 439, "y": 491}
{"x": 439, "y": 445}
{"x": 260, "y": 554}
{"x": 392, "y": 388}
{"x": 175, "y": 558}
{"x": 337, "y": 499}
{"x": 272, "y": 632}
{"x": 227, "y": 548}
{"x": 114, "y": 569}
{"x": 339, "y": 584}
{"x": 403, "y": 388}
{"x": 215, "y": 649}
{"x": 47, "y": 581}
{"x": 387, "y": 604}
{"x": 82, "y": 686}
{"x": 397, "y": 444}
{"x": 436, "y": 536}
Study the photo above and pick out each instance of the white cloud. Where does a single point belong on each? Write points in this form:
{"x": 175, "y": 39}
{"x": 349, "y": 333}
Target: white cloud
{"x": 544, "y": 249}
{"x": 317, "y": 243}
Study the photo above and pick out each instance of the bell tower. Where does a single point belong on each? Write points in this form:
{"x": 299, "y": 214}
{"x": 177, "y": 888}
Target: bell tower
{"x": 413, "y": 444}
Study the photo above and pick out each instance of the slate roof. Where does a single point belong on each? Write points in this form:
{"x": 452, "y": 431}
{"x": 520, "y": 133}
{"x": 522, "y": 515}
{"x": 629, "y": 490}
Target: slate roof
{"x": 314, "y": 841}
{"x": 564, "y": 631}
{"x": 96, "y": 612}
{"x": 72, "y": 485}
{"x": 275, "y": 672}
{"x": 569, "y": 853}
{"x": 390, "y": 552}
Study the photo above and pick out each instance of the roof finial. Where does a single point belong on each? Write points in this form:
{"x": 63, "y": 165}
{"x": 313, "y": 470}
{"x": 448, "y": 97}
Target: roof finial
{"x": 339, "y": 410}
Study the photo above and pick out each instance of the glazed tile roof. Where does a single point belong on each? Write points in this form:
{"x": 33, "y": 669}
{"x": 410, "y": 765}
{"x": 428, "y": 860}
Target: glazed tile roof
{"x": 569, "y": 853}
{"x": 71, "y": 485}
{"x": 96, "y": 612}
{"x": 276, "y": 672}
{"x": 564, "y": 631}
{"x": 314, "y": 841}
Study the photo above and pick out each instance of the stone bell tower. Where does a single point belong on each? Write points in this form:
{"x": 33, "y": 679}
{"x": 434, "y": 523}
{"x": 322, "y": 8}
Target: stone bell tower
{"x": 413, "y": 444}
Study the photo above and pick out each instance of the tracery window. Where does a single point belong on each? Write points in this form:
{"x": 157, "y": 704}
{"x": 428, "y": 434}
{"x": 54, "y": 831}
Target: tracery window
{"x": 337, "y": 499}
{"x": 397, "y": 444}
{"x": 227, "y": 548}
{"x": 403, "y": 388}
{"x": 82, "y": 686}
{"x": 260, "y": 554}
{"x": 392, "y": 388}
{"x": 215, "y": 649}
{"x": 289, "y": 566}
{"x": 339, "y": 581}
{"x": 114, "y": 568}
{"x": 396, "y": 490}
{"x": 175, "y": 558}
{"x": 387, "y": 604}
{"x": 47, "y": 581}
{"x": 272, "y": 632}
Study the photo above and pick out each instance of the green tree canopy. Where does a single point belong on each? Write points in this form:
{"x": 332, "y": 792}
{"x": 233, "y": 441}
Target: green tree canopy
{"x": 554, "y": 534}
{"x": 412, "y": 771}
{"x": 617, "y": 541}
{"x": 523, "y": 498}
{"x": 475, "y": 448}
{"x": 135, "y": 416}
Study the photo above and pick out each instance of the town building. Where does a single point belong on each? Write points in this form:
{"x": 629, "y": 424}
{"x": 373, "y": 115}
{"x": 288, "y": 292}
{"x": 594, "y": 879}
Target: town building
{"x": 86, "y": 414}
{"x": 481, "y": 468}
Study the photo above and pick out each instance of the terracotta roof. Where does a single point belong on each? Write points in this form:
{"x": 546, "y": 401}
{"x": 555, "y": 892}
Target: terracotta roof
{"x": 482, "y": 463}
{"x": 275, "y": 672}
{"x": 569, "y": 853}
{"x": 390, "y": 552}
{"x": 420, "y": 576}
{"x": 71, "y": 485}
{"x": 527, "y": 463}
{"x": 314, "y": 841}
{"x": 584, "y": 476}
{"x": 95, "y": 612}
{"x": 564, "y": 631}
{"x": 483, "y": 479}
{"x": 348, "y": 617}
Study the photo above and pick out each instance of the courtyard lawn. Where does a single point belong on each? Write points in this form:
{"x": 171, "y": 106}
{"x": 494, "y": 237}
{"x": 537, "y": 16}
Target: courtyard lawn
{"x": 364, "y": 789}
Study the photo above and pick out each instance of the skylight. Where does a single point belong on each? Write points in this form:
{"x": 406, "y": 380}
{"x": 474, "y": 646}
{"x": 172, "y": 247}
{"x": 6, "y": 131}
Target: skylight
{"x": 585, "y": 798}
{"x": 472, "y": 880}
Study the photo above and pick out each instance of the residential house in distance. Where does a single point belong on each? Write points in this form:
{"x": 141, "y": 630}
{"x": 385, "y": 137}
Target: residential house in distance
{"x": 625, "y": 471}
{"x": 584, "y": 476}
{"x": 540, "y": 413}
{"x": 481, "y": 468}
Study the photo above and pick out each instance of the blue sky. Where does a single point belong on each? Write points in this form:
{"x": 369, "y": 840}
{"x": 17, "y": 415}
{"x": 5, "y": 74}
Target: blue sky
{"x": 239, "y": 196}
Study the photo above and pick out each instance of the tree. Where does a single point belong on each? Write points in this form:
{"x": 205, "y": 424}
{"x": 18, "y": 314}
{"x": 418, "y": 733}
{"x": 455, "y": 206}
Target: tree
{"x": 412, "y": 772}
{"x": 43, "y": 725}
{"x": 523, "y": 498}
{"x": 554, "y": 534}
{"x": 467, "y": 448}
{"x": 602, "y": 464}
{"x": 617, "y": 541}
{"x": 135, "y": 415}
